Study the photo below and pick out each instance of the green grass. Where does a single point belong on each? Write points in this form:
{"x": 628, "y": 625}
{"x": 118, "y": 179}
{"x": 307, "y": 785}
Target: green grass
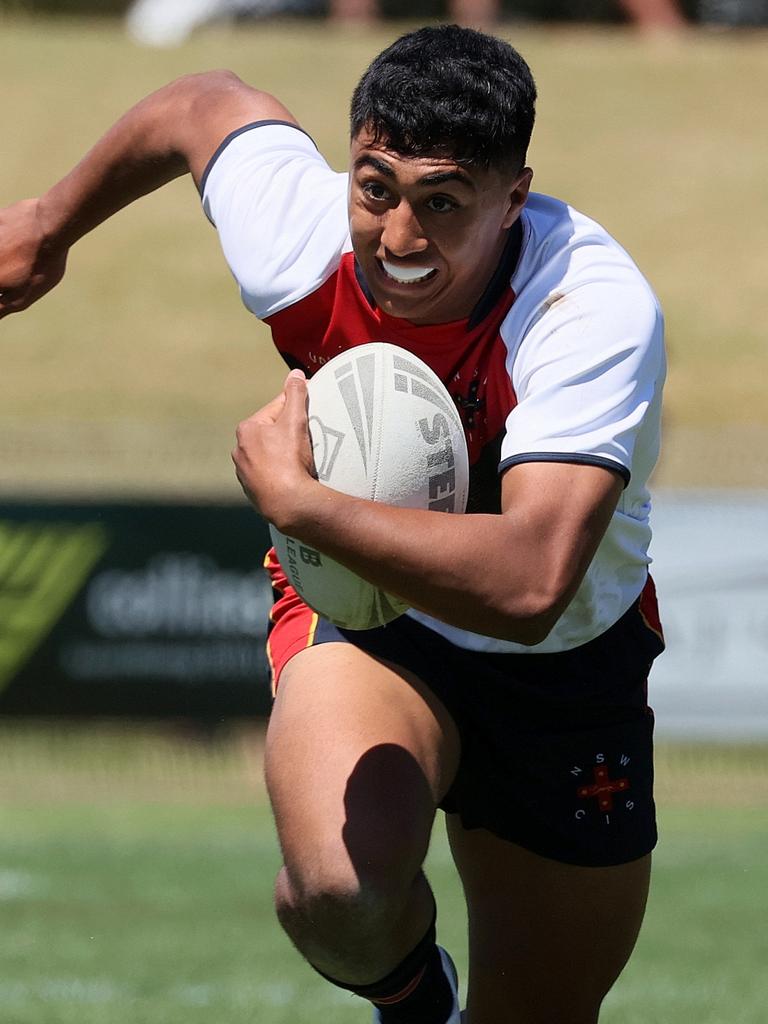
{"x": 132, "y": 376}
{"x": 136, "y": 873}
{"x": 703, "y": 949}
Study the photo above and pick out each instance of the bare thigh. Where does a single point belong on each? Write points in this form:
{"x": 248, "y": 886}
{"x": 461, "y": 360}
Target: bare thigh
{"x": 546, "y": 940}
{"x": 358, "y": 756}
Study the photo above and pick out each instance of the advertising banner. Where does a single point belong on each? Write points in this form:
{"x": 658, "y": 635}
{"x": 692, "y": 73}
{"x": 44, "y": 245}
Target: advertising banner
{"x": 150, "y": 610}
{"x": 135, "y": 610}
{"x": 710, "y": 563}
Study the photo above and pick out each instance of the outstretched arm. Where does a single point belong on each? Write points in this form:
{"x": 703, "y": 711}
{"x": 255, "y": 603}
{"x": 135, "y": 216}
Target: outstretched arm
{"x": 172, "y": 132}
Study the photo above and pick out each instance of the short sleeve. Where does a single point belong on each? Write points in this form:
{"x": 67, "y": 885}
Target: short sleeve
{"x": 280, "y": 212}
{"x": 587, "y": 373}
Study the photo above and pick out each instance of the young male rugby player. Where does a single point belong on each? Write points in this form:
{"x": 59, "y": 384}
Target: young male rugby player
{"x": 514, "y": 695}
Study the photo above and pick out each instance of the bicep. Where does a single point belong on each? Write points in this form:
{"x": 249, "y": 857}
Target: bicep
{"x": 560, "y": 511}
{"x": 220, "y": 103}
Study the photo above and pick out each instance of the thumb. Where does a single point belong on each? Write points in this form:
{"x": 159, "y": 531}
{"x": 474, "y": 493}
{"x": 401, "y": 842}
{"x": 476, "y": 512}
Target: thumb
{"x": 296, "y": 395}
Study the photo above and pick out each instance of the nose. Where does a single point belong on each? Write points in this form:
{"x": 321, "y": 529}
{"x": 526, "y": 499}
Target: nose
{"x": 403, "y": 235}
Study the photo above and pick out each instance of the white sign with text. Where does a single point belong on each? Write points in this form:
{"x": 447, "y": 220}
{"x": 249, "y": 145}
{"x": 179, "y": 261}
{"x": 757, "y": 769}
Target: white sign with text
{"x": 710, "y": 551}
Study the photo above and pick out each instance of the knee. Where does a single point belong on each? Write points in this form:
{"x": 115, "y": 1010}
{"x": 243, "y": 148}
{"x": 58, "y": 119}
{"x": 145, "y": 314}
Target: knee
{"x": 336, "y": 909}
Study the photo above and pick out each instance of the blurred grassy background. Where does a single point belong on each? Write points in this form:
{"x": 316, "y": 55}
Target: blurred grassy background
{"x": 131, "y": 377}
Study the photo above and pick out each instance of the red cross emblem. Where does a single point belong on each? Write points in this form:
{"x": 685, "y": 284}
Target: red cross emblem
{"x": 603, "y": 788}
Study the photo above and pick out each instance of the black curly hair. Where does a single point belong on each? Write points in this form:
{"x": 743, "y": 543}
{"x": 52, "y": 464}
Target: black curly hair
{"x": 449, "y": 90}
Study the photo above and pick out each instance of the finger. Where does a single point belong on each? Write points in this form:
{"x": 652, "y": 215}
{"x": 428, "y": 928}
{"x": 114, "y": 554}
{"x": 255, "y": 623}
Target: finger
{"x": 297, "y": 414}
{"x": 296, "y": 394}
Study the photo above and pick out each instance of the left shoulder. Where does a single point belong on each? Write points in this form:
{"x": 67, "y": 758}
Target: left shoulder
{"x": 571, "y": 267}
{"x": 553, "y": 221}
{"x": 560, "y": 242}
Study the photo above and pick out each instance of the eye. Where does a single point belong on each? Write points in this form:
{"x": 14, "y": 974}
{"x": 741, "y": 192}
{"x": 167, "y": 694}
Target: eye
{"x": 376, "y": 191}
{"x": 442, "y": 204}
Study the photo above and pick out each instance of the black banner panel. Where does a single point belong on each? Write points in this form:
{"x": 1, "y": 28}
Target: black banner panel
{"x": 133, "y": 610}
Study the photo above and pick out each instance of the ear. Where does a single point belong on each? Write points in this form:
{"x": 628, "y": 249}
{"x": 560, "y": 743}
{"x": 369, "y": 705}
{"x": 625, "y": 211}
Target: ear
{"x": 517, "y": 196}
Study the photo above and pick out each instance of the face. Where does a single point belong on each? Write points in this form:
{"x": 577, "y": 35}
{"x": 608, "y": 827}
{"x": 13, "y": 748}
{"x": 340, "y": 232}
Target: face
{"x": 428, "y": 233}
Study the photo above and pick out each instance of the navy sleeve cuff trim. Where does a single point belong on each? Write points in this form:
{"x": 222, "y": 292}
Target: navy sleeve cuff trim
{"x": 575, "y": 458}
{"x": 239, "y": 131}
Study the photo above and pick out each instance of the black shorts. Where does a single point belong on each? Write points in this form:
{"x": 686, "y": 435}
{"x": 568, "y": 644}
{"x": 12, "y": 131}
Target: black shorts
{"x": 556, "y": 749}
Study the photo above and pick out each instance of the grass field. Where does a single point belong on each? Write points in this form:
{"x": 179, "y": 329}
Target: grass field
{"x": 133, "y": 374}
{"x": 136, "y": 873}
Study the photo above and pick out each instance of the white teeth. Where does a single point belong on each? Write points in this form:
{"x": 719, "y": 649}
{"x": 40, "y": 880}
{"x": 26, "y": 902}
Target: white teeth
{"x": 406, "y": 275}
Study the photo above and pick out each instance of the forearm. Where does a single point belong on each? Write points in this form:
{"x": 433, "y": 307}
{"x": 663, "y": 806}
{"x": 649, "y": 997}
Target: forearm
{"x": 169, "y": 133}
{"x": 123, "y": 166}
{"x": 491, "y": 574}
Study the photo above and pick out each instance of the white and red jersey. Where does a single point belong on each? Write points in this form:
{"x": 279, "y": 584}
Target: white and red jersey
{"x": 562, "y": 359}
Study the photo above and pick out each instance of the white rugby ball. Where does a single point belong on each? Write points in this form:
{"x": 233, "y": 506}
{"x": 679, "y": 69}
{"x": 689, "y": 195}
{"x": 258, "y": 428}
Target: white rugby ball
{"x": 383, "y": 427}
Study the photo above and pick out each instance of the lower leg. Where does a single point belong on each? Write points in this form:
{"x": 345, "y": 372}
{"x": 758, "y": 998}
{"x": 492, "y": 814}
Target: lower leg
{"x": 533, "y": 920}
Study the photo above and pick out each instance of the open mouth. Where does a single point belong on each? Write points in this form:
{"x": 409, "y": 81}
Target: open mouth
{"x": 407, "y": 275}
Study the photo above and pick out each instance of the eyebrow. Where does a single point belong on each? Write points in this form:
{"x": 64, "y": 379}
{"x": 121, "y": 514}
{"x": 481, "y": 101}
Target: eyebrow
{"x": 438, "y": 178}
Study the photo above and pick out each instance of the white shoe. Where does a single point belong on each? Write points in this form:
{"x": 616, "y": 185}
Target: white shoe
{"x": 449, "y": 969}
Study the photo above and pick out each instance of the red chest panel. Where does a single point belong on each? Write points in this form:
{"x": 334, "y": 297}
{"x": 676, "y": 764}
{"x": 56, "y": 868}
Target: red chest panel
{"x": 469, "y": 360}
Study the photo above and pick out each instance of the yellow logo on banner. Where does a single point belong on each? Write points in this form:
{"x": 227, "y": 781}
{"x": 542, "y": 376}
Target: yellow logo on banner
{"x": 42, "y": 568}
